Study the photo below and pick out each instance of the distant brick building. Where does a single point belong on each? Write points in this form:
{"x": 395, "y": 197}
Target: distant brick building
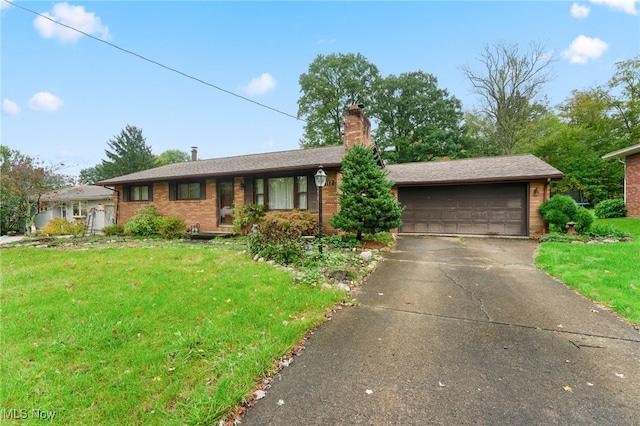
{"x": 631, "y": 158}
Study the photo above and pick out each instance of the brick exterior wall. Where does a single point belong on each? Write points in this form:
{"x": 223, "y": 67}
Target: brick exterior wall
{"x": 204, "y": 212}
{"x": 632, "y": 185}
{"x": 330, "y": 204}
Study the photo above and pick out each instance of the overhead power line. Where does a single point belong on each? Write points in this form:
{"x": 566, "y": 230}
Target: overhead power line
{"x": 137, "y": 55}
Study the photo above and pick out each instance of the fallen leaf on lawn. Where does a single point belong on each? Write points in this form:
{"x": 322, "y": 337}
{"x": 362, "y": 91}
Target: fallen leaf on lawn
{"x": 280, "y": 402}
{"x": 567, "y": 388}
{"x": 369, "y": 391}
{"x": 620, "y": 375}
{"x": 259, "y": 394}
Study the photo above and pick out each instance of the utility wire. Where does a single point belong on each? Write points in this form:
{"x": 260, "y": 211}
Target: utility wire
{"x": 156, "y": 63}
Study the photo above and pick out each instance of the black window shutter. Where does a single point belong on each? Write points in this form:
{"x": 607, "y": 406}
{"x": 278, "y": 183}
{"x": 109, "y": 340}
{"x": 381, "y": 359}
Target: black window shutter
{"x": 172, "y": 191}
{"x": 125, "y": 193}
{"x": 151, "y": 192}
{"x": 203, "y": 190}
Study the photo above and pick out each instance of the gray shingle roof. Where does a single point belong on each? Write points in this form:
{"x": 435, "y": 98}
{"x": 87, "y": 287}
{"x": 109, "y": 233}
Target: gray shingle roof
{"x": 298, "y": 159}
{"x": 485, "y": 169}
{"x": 87, "y": 192}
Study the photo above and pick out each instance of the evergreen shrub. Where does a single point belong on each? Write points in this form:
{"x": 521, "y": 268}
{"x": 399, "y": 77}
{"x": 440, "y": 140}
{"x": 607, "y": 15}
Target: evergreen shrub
{"x": 171, "y": 227}
{"x": 115, "y": 229}
{"x": 557, "y": 211}
{"x": 611, "y": 208}
{"x": 144, "y": 223}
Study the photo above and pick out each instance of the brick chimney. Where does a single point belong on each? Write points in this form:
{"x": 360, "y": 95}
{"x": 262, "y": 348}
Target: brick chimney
{"x": 194, "y": 153}
{"x": 357, "y": 127}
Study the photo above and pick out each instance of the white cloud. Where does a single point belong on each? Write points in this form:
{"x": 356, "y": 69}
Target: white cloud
{"x": 579, "y": 11}
{"x": 73, "y": 16}
{"x": 10, "y": 108}
{"x": 260, "y": 85}
{"x": 626, "y": 6}
{"x": 584, "y": 48}
{"x": 45, "y": 101}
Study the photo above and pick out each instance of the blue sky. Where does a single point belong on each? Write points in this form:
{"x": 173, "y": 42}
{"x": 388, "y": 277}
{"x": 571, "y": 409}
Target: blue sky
{"x": 64, "y": 96}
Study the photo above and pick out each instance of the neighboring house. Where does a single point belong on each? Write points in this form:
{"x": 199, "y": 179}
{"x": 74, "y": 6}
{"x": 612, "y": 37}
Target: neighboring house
{"x": 77, "y": 203}
{"x": 485, "y": 196}
{"x": 630, "y": 156}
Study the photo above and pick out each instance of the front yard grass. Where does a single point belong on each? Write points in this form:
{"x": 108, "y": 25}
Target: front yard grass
{"x": 159, "y": 334}
{"x": 605, "y": 272}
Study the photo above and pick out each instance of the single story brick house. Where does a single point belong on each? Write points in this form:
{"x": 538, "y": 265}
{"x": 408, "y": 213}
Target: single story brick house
{"x": 78, "y": 203}
{"x": 482, "y": 196}
{"x": 631, "y": 158}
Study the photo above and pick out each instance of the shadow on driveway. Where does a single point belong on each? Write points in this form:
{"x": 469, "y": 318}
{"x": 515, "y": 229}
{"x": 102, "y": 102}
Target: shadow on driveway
{"x": 462, "y": 333}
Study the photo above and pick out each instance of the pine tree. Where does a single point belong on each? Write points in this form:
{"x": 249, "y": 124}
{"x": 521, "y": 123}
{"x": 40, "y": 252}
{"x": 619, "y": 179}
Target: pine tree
{"x": 130, "y": 154}
{"x": 366, "y": 202}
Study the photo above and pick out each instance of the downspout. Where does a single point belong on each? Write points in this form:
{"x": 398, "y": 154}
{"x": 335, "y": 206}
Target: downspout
{"x": 117, "y": 206}
{"x": 624, "y": 181}
{"x": 546, "y": 185}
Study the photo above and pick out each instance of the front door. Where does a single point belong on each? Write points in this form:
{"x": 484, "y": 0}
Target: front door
{"x": 226, "y": 202}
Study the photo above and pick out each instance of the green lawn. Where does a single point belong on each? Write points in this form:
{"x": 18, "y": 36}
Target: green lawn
{"x": 164, "y": 334}
{"x": 606, "y": 272}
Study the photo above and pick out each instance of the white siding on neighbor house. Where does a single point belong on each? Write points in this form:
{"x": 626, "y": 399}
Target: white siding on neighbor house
{"x": 104, "y": 213}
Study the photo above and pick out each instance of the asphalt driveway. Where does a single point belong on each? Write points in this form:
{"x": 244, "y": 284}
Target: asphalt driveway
{"x": 450, "y": 332}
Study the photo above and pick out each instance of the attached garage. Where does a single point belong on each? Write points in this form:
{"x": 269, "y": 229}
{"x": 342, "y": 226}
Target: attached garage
{"x": 477, "y": 196}
{"x": 492, "y": 209}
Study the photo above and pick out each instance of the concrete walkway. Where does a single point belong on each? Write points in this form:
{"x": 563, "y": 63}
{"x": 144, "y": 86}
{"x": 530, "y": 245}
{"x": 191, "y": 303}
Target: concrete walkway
{"x": 456, "y": 333}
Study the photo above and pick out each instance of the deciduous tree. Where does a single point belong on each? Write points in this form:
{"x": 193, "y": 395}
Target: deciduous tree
{"x": 624, "y": 89}
{"x": 417, "y": 120}
{"x": 171, "y": 156}
{"x": 509, "y": 85}
{"x": 332, "y": 84}
{"x": 23, "y": 180}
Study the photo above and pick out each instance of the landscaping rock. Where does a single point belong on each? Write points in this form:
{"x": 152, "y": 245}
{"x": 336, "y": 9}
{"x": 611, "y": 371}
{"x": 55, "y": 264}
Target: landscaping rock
{"x": 343, "y": 287}
{"x": 366, "y": 255}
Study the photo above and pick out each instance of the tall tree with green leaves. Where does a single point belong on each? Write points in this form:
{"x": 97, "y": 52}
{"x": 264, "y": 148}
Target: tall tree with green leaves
{"x": 624, "y": 89}
{"x": 130, "y": 153}
{"x": 366, "y": 202}
{"x": 417, "y": 120}
{"x": 574, "y": 140}
{"x": 332, "y": 84}
{"x": 509, "y": 86}
{"x": 23, "y": 180}
{"x": 171, "y": 156}
{"x": 91, "y": 175}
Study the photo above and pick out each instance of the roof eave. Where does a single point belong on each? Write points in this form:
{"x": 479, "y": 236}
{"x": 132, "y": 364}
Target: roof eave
{"x": 326, "y": 166}
{"x": 481, "y": 180}
{"x": 624, "y": 152}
